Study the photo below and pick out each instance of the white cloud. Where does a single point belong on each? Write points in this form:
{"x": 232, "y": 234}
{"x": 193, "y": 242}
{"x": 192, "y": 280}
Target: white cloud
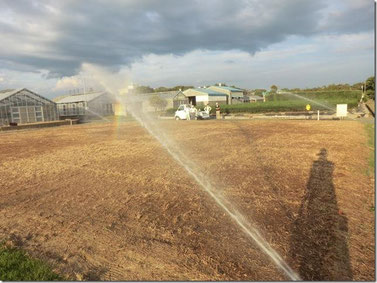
{"x": 68, "y": 83}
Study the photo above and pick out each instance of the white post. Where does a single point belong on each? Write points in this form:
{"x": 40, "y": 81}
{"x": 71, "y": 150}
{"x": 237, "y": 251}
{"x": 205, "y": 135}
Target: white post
{"x": 317, "y": 115}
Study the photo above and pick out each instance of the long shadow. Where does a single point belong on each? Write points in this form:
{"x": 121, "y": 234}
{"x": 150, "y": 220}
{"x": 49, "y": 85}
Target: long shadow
{"x": 320, "y": 232}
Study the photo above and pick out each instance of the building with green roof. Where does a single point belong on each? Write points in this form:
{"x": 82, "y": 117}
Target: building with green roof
{"x": 235, "y": 95}
{"x": 204, "y": 96}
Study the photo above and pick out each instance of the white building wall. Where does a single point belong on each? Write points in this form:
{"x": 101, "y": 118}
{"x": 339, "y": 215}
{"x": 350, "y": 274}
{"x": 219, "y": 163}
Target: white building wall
{"x": 217, "y": 98}
{"x": 202, "y": 98}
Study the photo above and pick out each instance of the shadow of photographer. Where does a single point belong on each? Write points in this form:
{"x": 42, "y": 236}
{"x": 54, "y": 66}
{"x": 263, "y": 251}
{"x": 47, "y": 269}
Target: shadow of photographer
{"x": 319, "y": 237}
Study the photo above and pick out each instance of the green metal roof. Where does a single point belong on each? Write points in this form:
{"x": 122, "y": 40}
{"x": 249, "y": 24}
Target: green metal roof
{"x": 210, "y": 92}
{"x": 230, "y": 88}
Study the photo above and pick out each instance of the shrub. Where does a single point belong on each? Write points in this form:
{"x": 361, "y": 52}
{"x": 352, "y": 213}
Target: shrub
{"x": 170, "y": 111}
{"x": 370, "y": 94}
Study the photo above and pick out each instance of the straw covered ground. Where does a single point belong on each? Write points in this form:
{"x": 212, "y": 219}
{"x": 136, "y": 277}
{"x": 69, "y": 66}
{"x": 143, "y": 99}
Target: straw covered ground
{"x": 106, "y": 201}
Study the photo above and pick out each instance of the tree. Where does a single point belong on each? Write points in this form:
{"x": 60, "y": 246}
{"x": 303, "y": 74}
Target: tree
{"x": 157, "y": 102}
{"x": 175, "y": 88}
{"x": 259, "y": 91}
{"x": 161, "y": 89}
{"x": 370, "y": 87}
{"x": 357, "y": 86}
{"x": 143, "y": 89}
{"x": 274, "y": 88}
{"x": 181, "y": 87}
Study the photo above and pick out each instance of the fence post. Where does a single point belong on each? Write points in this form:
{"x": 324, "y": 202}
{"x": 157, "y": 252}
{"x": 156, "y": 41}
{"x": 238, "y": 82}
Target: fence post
{"x": 317, "y": 115}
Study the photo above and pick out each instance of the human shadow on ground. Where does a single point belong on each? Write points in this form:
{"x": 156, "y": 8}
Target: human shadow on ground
{"x": 320, "y": 232}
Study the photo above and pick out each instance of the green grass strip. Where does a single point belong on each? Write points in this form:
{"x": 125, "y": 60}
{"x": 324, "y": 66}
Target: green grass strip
{"x": 371, "y": 162}
{"x": 16, "y": 265}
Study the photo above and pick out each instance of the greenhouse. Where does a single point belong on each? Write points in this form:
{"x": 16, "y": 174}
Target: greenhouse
{"x": 22, "y": 106}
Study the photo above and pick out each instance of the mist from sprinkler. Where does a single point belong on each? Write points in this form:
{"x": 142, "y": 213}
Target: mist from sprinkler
{"x": 98, "y": 115}
{"x": 310, "y": 100}
{"x": 156, "y": 130}
{"x": 117, "y": 85}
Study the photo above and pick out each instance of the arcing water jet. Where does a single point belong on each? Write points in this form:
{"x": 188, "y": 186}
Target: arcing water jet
{"x": 133, "y": 106}
{"x": 153, "y": 128}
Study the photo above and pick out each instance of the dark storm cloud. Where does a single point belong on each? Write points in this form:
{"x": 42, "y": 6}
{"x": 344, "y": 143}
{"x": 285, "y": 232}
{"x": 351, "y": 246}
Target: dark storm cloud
{"x": 357, "y": 16}
{"x": 116, "y": 33}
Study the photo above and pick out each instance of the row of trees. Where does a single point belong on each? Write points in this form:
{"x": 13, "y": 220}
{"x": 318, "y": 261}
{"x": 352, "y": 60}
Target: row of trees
{"x": 147, "y": 89}
{"x": 368, "y": 86}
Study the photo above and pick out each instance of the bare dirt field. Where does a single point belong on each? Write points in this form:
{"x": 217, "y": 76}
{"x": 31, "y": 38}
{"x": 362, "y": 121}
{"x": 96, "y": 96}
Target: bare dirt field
{"x": 107, "y": 201}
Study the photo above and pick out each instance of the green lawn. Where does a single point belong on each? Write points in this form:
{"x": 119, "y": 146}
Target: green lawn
{"x": 16, "y": 265}
{"x": 370, "y": 131}
{"x": 286, "y": 106}
{"x": 284, "y": 102}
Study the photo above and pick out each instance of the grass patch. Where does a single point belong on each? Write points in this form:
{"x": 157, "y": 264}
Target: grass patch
{"x": 297, "y": 102}
{"x": 371, "y": 162}
{"x": 283, "y": 106}
{"x": 16, "y": 265}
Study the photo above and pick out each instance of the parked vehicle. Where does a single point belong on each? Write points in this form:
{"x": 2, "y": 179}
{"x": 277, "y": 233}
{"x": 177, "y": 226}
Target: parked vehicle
{"x": 182, "y": 112}
{"x": 203, "y": 115}
{"x": 185, "y": 111}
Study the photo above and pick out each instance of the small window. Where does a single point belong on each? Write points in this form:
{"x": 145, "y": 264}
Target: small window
{"x": 181, "y": 107}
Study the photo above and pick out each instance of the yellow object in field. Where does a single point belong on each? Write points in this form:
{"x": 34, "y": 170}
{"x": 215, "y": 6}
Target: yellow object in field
{"x": 308, "y": 107}
{"x": 119, "y": 109}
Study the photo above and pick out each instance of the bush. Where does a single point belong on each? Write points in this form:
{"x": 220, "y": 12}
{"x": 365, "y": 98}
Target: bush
{"x": 370, "y": 94}
{"x": 170, "y": 111}
{"x": 157, "y": 102}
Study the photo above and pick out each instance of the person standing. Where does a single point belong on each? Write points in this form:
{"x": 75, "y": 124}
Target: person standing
{"x": 218, "y": 111}
{"x": 207, "y": 109}
{"x": 193, "y": 112}
{"x": 187, "y": 109}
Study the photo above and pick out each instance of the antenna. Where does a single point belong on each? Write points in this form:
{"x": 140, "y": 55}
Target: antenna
{"x": 84, "y": 85}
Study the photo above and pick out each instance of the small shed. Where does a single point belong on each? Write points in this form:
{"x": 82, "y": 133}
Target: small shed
{"x": 24, "y": 106}
{"x": 203, "y": 96}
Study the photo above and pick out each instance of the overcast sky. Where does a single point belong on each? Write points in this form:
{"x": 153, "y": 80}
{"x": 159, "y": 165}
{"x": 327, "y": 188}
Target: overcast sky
{"x": 45, "y": 45}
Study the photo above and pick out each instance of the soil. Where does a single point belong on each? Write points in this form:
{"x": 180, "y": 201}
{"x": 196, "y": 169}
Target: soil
{"x": 105, "y": 201}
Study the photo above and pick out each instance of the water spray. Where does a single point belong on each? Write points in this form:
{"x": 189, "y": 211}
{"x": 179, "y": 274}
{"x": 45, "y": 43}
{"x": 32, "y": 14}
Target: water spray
{"x": 133, "y": 106}
{"x": 310, "y": 100}
{"x": 98, "y": 115}
{"x": 252, "y": 232}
